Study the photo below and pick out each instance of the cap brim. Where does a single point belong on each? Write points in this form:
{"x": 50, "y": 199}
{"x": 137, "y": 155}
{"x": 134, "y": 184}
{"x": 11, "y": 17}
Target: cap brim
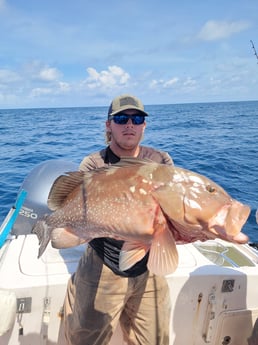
{"x": 128, "y": 108}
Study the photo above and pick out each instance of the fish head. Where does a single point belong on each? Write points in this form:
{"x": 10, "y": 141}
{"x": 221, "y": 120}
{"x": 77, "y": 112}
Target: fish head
{"x": 200, "y": 209}
{"x": 208, "y": 205}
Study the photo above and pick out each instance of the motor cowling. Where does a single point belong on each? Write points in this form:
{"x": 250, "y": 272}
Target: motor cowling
{"x": 37, "y": 186}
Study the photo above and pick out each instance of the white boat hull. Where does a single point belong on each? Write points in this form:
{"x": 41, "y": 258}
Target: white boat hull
{"x": 211, "y": 304}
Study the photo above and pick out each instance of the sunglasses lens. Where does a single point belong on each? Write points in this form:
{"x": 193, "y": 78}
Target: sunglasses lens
{"x": 138, "y": 119}
{"x": 122, "y": 119}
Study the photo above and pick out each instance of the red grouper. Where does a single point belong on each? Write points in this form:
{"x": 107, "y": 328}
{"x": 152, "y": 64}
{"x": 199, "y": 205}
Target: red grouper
{"x": 149, "y": 206}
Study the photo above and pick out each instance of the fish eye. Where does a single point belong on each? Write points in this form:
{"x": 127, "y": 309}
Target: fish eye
{"x": 210, "y": 189}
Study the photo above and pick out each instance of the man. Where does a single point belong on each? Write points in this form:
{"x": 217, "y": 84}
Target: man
{"x": 99, "y": 294}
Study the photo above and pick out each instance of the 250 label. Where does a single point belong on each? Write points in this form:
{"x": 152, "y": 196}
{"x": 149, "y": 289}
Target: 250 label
{"x": 28, "y": 214}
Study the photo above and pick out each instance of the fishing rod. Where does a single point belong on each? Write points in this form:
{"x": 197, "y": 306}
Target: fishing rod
{"x": 255, "y": 52}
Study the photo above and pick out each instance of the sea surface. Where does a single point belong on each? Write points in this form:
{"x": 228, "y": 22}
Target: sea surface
{"x": 219, "y": 140}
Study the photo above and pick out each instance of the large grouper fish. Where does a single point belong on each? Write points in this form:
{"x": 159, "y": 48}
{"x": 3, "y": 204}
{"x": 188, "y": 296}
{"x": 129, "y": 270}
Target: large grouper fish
{"x": 150, "y": 206}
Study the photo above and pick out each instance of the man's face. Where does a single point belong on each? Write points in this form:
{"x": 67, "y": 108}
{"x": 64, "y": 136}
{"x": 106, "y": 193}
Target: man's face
{"x": 126, "y": 136}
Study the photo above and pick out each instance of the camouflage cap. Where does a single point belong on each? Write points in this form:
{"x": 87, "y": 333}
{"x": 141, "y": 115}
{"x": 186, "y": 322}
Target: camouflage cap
{"x": 125, "y": 102}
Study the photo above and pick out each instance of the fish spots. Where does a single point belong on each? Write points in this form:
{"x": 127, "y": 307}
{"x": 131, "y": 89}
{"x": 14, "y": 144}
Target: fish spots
{"x": 195, "y": 179}
{"x": 184, "y": 177}
{"x": 194, "y": 192}
{"x": 143, "y": 191}
{"x": 147, "y": 181}
{"x": 181, "y": 189}
{"x": 146, "y": 171}
{"x": 132, "y": 189}
{"x": 192, "y": 203}
{"x": 179, "y": 177}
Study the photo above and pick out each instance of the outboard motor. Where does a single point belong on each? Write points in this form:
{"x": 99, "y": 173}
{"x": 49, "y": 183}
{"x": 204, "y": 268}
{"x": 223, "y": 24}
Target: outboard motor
{"x": 37, "y": 185}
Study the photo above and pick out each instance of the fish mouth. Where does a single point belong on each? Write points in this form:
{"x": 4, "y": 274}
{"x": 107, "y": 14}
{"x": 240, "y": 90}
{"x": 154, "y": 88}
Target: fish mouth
{"x": 228, "y": 222}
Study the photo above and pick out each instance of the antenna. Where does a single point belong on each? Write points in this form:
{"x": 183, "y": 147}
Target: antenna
{"x": 255, "y": 52}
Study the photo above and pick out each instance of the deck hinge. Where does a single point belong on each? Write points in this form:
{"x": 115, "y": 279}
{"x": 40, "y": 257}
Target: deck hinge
{"x": 209, "y": 318}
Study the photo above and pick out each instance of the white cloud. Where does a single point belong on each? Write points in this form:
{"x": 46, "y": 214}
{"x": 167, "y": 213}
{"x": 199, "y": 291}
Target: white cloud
{"x": 64, "y": 87}
{"x": 189, "y": 82}
{"x": 7, "y": 76}
{"x": 40, "y": 72}
{"x": 165, "y": 84}
{"x": 112, "y": 77}
{"x": 58, "y": 88}
{"x": 215, "y": 30}
{"x": 184, "y": 86}
{"x": 33, "y": 80}
{"x": 40, "y": 91}
{"x": 49, "y": 74}
{"x": 170, "y": 82}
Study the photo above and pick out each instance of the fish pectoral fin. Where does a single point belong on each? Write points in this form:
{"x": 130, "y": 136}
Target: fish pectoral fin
{"x": 131, "y": 253}
{"x": 62, "y": 187}
{"x": 163, "y": 258}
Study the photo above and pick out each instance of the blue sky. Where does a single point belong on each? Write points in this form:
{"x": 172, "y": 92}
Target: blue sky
{"x": 59, "y": 53}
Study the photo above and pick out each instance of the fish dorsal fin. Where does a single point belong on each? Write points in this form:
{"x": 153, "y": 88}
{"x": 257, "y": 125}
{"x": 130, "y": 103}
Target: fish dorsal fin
{"x": 163, "y": 258}
{"x": 63, "y": 186}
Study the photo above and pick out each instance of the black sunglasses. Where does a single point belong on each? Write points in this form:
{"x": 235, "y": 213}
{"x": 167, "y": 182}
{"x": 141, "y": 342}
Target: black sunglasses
{"x": 122, "y": 119}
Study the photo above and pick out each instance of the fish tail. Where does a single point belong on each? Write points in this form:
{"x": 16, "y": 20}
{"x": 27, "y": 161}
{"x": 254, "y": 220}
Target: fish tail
{"x": 41, "y": 229}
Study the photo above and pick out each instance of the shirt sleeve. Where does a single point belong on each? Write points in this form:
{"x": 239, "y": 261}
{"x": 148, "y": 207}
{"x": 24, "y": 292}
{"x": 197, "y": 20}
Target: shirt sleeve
{"x": 93, "y": 161}
{"x": 157, "y": 156}
{"x": 87, "y": 164}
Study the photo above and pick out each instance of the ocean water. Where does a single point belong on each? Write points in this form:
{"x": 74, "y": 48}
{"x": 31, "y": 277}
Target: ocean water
{"x": 218, "y": 140}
